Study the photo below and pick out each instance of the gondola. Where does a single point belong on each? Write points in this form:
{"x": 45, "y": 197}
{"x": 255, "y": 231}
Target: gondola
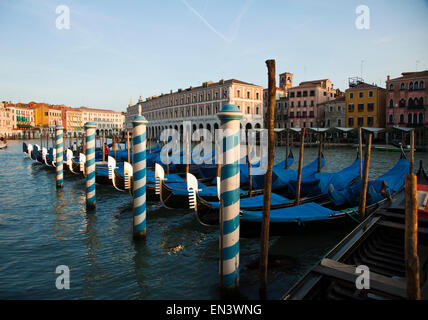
{"x": 317, "y": 183}
{"x": 377, "y": 244}
{"x": 3, "y": 145}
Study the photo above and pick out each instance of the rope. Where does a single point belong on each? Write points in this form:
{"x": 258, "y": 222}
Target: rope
{"x": 348, "y": 213}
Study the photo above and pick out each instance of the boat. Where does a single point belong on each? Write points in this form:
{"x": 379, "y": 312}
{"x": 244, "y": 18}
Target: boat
{"x": 377, "y": 245}
{"x": 3, "y": 145}
{"x": 322, "y": 210}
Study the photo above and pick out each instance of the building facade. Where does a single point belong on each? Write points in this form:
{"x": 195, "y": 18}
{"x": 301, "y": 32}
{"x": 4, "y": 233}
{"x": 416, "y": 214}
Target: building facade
{"x": 108, "y": 122}
{"x": 406, "y": 104}
{"x": 281, "y": 101}
{"x": 365, "y": 105}
{"x": 306, "y": 103}
{"x": 335, "y": 113}
{"x": 6, "y": 126}
{"x": 199, "y": 105}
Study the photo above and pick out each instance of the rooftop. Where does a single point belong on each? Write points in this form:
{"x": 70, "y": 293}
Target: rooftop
{"x": 411, "y": 75}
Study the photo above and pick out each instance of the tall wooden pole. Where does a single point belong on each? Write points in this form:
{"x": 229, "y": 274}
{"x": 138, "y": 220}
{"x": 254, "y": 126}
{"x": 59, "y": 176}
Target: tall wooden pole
{"x": 104, "y": 147}
{"x": 127, "y": 146}
{"x": 411, "y": 238}
{"x": 250, "y": 173}
{"x": 412, "y": 151}
{"x": 264, "y": 237}
{"x": 321, "y": 137}
{"x": 360, "y": 150}
{"x": 47, "y": 141}
{"x": 365, "y": 179}
{"x": 114, "y": 146}
{"x": 287, "y": 148}
{"x": 299, "y": 172}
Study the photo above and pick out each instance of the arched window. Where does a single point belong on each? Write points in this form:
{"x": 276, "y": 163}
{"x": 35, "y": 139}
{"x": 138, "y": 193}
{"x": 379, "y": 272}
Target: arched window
{"x": 403, "y": 86}
{"x": 391, "y": 87}
{"x": 410, "y": 102}
{"x": 401, "y": 118}
{"x": 416, "y": 102}
{"x": 391, "y": 118}
{"x": 409, "y": 118}
{"x": 391, "y": 103}
{"x": 421, "y": 101}
{"x": 416, "y": 85}
{"x": 421, "y": 85}
{"x": 421, "y": 118}
{"x": 415, "y": 118}
{"x": 411, "y": 86}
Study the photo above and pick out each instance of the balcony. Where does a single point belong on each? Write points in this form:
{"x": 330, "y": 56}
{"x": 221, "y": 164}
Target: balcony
{"x": 419, "y": 107}
{"x": 415, "y": 125}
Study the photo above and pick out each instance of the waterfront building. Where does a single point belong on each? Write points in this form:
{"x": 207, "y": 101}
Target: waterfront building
{"x": 22, "y": 116}
{"x": 334, "y": 113}
{"x": 281, "y": 101}
{"x": 108, "y": 121}
{"x": 6, "y": 125}
{"x": 365, "y": 105}
{"x": 406, "y": 104}
{"x": 199, "y": 105}
{"x": 74, "y": 122}
{"x": 305, "y": 103}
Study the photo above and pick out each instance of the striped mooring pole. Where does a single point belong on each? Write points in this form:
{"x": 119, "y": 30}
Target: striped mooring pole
{"x": 90, "y": 164}
{"x": 139, "y": 144}
{"x": 59, "y": 146}
{"x": 230, "y": 117}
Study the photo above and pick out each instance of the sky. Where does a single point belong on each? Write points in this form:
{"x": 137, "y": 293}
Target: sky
{"x": 115, "y": 51}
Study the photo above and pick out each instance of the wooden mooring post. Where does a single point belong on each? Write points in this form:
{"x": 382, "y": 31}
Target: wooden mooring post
{"x": 360, "y": 150}
{"x": 90, "y": 164}
{"x": 104, "y": 147}
{"x": 365, "y": 178}
{"x": 230, "y": 117}
{"x": 299, "y": 171}
{"x": 127, "y": 146}
{"x": 264, "y": 236}
{"x": 287, "y": 146}
{"x": 139, "y": 146}
{"x": 411, "y": 228}
{"x": 321, "y": 138}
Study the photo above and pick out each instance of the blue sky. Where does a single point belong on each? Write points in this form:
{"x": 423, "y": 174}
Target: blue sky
{"x": 115, "y": 50}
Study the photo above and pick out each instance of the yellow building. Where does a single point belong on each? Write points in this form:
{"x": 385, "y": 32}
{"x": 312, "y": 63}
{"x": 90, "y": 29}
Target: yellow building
{"x": 365, "y": 106}
{"x": 41, "y": 115}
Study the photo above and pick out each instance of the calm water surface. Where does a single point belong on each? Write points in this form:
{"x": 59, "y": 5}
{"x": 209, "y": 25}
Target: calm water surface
{"x": 42, "y": 228}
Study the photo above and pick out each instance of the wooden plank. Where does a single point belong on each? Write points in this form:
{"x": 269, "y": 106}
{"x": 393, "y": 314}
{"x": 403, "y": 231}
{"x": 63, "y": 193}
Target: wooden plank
{"x": 347, "y": 273}
{"x": 400, "y": 226}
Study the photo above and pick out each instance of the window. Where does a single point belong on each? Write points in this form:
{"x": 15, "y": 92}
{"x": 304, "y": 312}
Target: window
{"x": 351, "y": 108}
{"x": 298, "y": 104}
{"x": 391, "y": 87}
{"x": 370, "y": 107}
{"x": 238, "y": 93}
{"x": 361, "y": 94}
{"x": 402, "y": 86}
{"x": 312, "y": 93}
{"x": 225, "y": 93}
{"x": 401, "y": 118}
{"x": 312, "y": 103}
{"x": 360, "y": 107}
{"x": 292, "y": 94}
{"x": 305, "y": 103}
{"x": 409, "y": 118}
{"x": 257, "y": 110}
{"x": 305, "y": 114}
{"x": 391, "y": 119}
{"x": 325, "y": 94}
{"x": 421, "y": 85}
{"x": 421, "y": 101}
{"x": 411, "y": 86}
{"x": 351, "y": 122}
{"x": 391, "y": 103}
{"x": 370, "y": 121}
{"x": 291, "y": 114}
{"x": 305, "y": 93}
{"x": 311, "y": 114}
{"x": 304, "y": 124}
{"x": 360, "y": 121}
{"x": 292, "y": 104}
{"x": 299, "y": 94}
{"x": 339, "y": 122}
{"x": 416, "y": 85}
{"x": 411, "y": 103}
{"x": 257, "y": 95}
{"x": 312, "y": 124}
{"x": 402, "y": 103}
{"x": 328, "y": 123}
{"x": 248, "y": 110}
{"x": 421, "y": 118}
{"x": 248, "y": 94}
{"x": 351, "y": 95}
{"x": 370, "y": 94}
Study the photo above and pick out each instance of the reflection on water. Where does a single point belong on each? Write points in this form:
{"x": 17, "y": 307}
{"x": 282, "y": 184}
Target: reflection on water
{"x": 41, "y": 228}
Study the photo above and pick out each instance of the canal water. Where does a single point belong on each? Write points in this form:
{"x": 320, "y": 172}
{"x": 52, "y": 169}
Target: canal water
{"x": 42, "y": 228}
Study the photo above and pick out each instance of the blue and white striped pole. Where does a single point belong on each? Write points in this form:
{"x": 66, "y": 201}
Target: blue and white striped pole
{"x": 59, "y": 146}
{"x": 90, "y": 164}
{"x": 230, "y": 117}
{"x": 139, "y": 143}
